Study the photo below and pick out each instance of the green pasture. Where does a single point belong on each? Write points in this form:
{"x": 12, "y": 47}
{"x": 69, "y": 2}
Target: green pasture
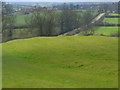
{"x": 20, "y": 19}
{"x": 114, "y": 14}
{"x": 103, "y": 30}
{"x": 106, "y": 30}
{"x": 111, "y": 20}
{"x": 61, "y": 62}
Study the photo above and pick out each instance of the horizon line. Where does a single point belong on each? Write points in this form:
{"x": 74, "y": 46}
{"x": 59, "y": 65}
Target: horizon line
{"x": 58, "y": 2}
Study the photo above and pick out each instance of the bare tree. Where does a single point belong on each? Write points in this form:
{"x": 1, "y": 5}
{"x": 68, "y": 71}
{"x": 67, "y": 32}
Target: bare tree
{"x": 118, "y": 7}
{"x": 8, "y": 19}
{"x": 51, "y": 22}
{"x": 70, "y": 19}
{"x": 44, "y": 21}
{"x": 87, "y": 17}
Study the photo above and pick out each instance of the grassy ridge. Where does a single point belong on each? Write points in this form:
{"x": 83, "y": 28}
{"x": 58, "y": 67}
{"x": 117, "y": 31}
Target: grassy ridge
{"x": 75, "y": 61}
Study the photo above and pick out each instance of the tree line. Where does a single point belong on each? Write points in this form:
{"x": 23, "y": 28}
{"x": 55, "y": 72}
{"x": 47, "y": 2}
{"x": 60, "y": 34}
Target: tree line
{"x": 8, "y": 20}
{"x": 48, "y": 22}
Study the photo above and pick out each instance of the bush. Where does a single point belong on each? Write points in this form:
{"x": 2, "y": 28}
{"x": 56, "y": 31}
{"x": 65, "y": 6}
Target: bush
{"x": 89, "y": 31}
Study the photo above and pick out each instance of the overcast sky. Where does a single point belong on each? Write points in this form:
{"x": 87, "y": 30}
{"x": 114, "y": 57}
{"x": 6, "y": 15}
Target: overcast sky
{"x": 61, "y": 0}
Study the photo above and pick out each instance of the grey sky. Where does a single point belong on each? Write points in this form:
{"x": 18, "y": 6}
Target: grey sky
{"x": 61, "y": 0}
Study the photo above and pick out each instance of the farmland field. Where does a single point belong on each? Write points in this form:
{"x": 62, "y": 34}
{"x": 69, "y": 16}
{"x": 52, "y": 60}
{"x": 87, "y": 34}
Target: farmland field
{"x": 114, "y": 14}
{"x": 59, "y": 44}
{"x": 106, "y": 30}
{"x": 61, "y": 62}
{"x": 20, "y": 19}
{"x": 112, "y": 20}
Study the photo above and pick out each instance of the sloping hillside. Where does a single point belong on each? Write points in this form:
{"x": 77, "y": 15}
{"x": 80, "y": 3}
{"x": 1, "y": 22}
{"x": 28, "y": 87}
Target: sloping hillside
{"x": 61, "y": 62}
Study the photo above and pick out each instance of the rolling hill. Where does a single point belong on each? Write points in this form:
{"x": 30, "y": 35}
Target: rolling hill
{"x": 61, "y": 62}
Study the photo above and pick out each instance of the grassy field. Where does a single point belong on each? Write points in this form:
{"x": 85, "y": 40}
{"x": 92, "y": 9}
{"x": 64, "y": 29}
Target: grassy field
{"x": 114, "y": 14}
{"x": 20, "y": 19}
{"x": 61, "y": 62}
{"x": 111, "y": 20}
{"x": 106, "y": 30}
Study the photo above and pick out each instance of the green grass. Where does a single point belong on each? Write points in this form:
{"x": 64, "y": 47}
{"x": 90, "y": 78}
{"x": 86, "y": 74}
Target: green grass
{"x": 111, "y": 20}
{"x": 114, "y": 14}
{"x": 106, "y": 30}
{"x": 20, "y": 19}
{"x": 61, "y": 62}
